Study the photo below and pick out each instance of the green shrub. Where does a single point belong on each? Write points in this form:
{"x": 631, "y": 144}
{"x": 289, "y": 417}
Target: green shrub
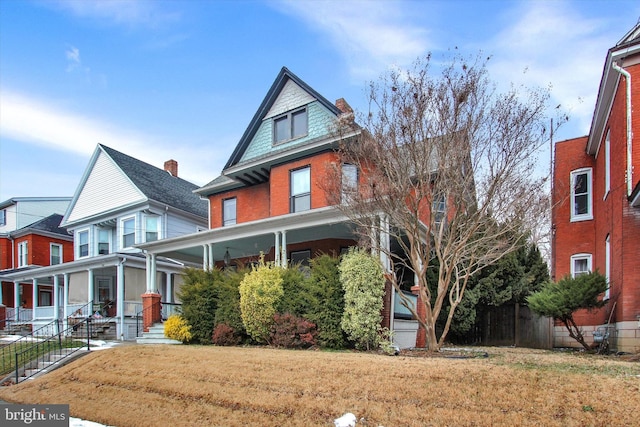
{"x": 325, "y": 301}
{"x": 260, "y": 293}
{"x": 290, "y": 331}
{"x": 363, "y": 282}
{"x": 228, "y": 311}
{"x": 176, "y": 328}
{"x": 294, "y": 298}
{"x": 199, "y": 297}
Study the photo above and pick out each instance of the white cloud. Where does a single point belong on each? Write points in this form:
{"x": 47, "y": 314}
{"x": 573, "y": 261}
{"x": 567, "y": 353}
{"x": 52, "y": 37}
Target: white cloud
{"x": 371, "y": 36}
{"x": 73, "y": 58}
{"x": 41, "y": 123}
{"x": 558, "y": 47}
{"x": 121, "y": 12}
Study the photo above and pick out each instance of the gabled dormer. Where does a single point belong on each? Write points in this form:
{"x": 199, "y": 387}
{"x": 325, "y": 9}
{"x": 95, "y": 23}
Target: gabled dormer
{"x": 122, "y": 201}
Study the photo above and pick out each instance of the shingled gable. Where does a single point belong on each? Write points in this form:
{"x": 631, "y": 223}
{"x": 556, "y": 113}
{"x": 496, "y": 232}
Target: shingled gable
{"x": 159, "y": 185}
{"x": 285, "y": 76}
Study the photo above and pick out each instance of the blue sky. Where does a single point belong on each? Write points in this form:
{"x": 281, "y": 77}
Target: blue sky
{"x": 182, "y": 79}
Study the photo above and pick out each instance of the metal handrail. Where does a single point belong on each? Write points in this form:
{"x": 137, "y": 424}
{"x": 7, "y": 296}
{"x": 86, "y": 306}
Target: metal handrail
{"x": 166, "y": 308}
{"x": 30, "y": 358}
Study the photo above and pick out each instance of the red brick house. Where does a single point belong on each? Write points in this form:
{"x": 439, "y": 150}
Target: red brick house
{"x": 270, "y": 196}
{"x": 596, "y": 199}
{"x": 42, "y": 243}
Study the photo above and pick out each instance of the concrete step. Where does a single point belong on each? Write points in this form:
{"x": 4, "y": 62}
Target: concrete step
{"x": 149, "y": 340}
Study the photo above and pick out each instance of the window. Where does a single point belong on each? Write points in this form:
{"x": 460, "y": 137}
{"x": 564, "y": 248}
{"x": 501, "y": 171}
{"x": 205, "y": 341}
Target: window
{"x": 439, "y": 207}
{"x": 581, "y": 195}
{"x": 229, "y": 211}
{"x": 607, "y": 264}
{"x": 289, "y": 126}
{"x": 23, "y": 258}
{"x": 580, "y": 264}
{"x": 301, "y": 259}
{"x": 607, "y": 164}
{"x": 83, "y": 243}
{"x": 45, "y": 297}
{"x": 349, "y": 182}
{"x": 128, "y": 232}
{"x": 151, "y": 228}
{"x": 105, "y": 289}
{"x": 56, "y": 254}
{"x": 104, "y": 241}
{"x": 301, "y": 190}
{"x": 3, "y": 217}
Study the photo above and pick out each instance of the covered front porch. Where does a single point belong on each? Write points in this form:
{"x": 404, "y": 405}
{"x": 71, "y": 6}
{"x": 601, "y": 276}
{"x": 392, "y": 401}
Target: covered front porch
{"x": 285, "y": 240}
{"x": 107, "y": 287}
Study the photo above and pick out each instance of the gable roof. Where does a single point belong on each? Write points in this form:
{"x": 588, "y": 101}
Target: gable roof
{"x": 159, "y": 185}
{"x": 146, "y": 182}
{"x": 49, "y": 225}
{"x": 283, "y": 77}
{"x": 627, "y": 46}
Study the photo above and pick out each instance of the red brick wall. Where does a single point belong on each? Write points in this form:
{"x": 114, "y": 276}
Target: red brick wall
{"x": 613, "y": 214}
{"x": 39, "y": 249}
{"x": 5, "y": 253}
{"x": 252, "y": 203}
{"x": 279, "y": 182}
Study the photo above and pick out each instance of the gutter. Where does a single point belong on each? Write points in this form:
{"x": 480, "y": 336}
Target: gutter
{"x": 627, "y": 76}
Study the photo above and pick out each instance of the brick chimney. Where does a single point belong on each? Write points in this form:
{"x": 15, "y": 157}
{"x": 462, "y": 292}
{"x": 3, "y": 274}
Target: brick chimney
{"x": 171, "y": 166}
{"x": 343, "y": 106}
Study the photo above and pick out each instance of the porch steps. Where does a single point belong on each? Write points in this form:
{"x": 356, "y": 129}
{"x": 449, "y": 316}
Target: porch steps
{"x": 156, "y": 336}
{"x": 103, "y": 330}
{"x": 53, "y": 361}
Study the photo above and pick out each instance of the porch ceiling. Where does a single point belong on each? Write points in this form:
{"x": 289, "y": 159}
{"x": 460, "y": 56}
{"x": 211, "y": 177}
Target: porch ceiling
{"x": 249, "y": 239}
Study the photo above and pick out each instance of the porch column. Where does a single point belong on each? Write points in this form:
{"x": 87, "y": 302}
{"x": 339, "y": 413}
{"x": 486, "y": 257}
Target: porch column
{"x": 148, "y": 271}
{"x": 34, "y": 298}
{"x": 169, "y": 297}
{"x": 1, "y": 300}
{"x": 120, "y": 296}
{"x": 211, "y": 260}
{"x": 65, "y": 299}
{"x": 283, "y": 259}
{"x": 385, "y": 243}
{"x": 205, "y": 257}
{"x": 154, "y": 287}
{"x": 16, "y": 297}
{"x": 277, "y": 249}
{"x": 56, "y": 297}
{"x": 90, "y": 289}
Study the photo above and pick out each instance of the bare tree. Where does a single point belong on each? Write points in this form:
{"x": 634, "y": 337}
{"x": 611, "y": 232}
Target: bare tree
{"x": 447, "y": 170}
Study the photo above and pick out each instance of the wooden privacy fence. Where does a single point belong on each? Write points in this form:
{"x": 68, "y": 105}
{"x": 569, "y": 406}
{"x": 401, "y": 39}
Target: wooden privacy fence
{"x": 512, "y": 325}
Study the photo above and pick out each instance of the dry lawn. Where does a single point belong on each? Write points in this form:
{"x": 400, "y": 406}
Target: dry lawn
{"x": 138, "y": 385}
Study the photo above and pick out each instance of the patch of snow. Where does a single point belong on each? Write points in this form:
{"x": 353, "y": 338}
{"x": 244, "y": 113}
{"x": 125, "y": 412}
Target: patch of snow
{"x": 77, "y": 422}
{"x": 347, "y": 420}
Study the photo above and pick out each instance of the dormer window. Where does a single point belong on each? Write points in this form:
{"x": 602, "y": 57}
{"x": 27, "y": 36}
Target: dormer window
{"x": 291, "y": 125}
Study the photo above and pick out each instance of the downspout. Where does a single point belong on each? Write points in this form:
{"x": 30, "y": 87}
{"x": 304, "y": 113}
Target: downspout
{"x": 629, "y": 132}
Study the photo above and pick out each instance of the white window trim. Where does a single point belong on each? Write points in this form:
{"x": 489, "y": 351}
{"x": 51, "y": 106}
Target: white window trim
{"x": 23, "y": 254}
{"x": 589, "y": 214}
{"x": 607, "y": 164}
{"x": 576, "y": 257}
{"x": 607, "y": 265}
{"x": 158, "y": 227}
{"x": 51, "y": 245}
{"x": 225, "y": 222}
{"x": 121, "y": 231}
{"x": 77, "y": 243}
{"x": 109, "y": 240}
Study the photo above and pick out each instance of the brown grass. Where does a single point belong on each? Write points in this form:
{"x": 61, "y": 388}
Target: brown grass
{"x": 137, "y": 385}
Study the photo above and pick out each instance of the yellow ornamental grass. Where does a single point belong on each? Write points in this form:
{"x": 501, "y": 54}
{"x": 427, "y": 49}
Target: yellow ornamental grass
{"x": 260, "y": 292}
{"x": 176, "y": 328}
